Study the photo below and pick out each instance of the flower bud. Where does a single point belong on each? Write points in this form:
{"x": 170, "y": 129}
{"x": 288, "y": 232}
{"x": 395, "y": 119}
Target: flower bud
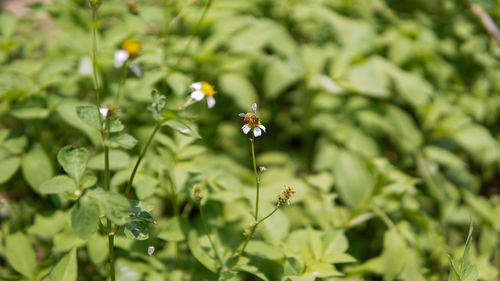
{"x": 285, "y": 196}
{"x": 197, "y": 192}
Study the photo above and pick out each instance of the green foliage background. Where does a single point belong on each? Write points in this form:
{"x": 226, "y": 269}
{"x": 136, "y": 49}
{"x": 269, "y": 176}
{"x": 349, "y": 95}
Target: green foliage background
{"x": 383, "y": 115}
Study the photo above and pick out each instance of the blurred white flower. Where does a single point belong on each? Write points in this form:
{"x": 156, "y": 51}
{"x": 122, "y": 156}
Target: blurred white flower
{"x": 201, "y": 90}
{"x": 85, "y": 66}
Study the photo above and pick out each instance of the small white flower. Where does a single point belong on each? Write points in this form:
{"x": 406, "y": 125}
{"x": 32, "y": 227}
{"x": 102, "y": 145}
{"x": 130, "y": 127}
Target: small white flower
{"x": 120, "y": 57}
{"x": 104, "y": 111}
{"x": 201, "y": 90}
{"x": 252, "y": 121}
{"x": 151, "y": 250}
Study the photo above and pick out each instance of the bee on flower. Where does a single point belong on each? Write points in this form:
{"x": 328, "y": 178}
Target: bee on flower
{"x": 130, "y": 49}
{"x": 201, "y": 90}
{"x": 252, "y": 121}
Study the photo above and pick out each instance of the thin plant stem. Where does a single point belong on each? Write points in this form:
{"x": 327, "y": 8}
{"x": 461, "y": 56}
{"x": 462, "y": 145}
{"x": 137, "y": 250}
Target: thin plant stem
{"x": 141, "y": 156}
{"x": 173, "y": 193}
{"x": 121, "y": 82}
{"x": 257, "y": 180}
{"x": 207, "y": 5}
{"x": 247, "y": 239}
{"x": 207, "y": 232}
{"x": 105, "y": 136}
{"x": 111, "y": 247}
{"x": 94, "y": 56}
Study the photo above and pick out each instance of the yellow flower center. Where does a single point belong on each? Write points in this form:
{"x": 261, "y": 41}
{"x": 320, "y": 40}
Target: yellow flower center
{"x": 207, "y": 89}
{"x": 252, "y": 120}
{"x": 133, "y": 47}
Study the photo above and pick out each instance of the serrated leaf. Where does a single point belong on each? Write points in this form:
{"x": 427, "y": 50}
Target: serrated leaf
{"x": 198, "y": 252}
{"x": 58, "y": 185}
{"x": 117, "y": 160}
{"x": 137, "y": 230}
{"x": 73, "y": 160}
{"x": 159, "y": 103}
{"x": 85, "y": 216}
{"x": 36, "y": 167}
{"x": 90, "y": 115}
{"x": 125, "y": 141}
{"x": 66, "y": 269}
{"x": 20, "y": 254}
{"x": 175, "y": 230}
{"x": 114, "y": 205}
{"x": 8, "y": 167}
{"x": 182, "y": 127}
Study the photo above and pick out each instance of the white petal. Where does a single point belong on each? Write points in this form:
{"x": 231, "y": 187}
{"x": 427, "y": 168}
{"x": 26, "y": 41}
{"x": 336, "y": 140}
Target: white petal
{"x": 242, "y": 115}
{"x": 195, "y": 86}
{"x": 257, "y": 132}
{"x": 120, "y": 57}
{"x": 254, "y": 107}
{"x": 151, "y": 250}
{"x": 104, "y": 111}
{"x": 262, "y": 127}
{"x": 246, "y": 129}
{"x": 136, "y": 69}
{"x": 197, "y": 95}
{"x": 85, "y": 66}
{"x": 210, "y": 102}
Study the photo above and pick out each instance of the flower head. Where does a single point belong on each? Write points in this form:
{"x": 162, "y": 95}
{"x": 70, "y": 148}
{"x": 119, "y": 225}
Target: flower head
{"x": 285, "y": 196}
{"x": 203, "y": 89}
{"x": 197, "y": 192}
{"x": 252, "y": 121}
{"x": 130, "y": 49}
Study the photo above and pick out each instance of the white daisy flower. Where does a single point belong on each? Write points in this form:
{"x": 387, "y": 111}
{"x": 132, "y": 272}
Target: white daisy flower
{"x": 252, "y": 121}
{"x": 130, "y": 49}
{"x": 201, "y": 90}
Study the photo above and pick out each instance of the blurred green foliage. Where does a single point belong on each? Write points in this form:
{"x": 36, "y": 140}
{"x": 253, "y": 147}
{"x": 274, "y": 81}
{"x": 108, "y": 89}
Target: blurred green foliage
{"x": 383, "y": 115}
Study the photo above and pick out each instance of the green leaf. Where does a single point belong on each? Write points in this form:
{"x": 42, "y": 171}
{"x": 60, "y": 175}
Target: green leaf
{"x": 57, "y": 185}
{"x": 66, "y": 269}
{"x": 97, "y": 247}
{"x": 278, "y": 77}
{"x": 28, "y": 113}
{"x": 117, "y": 160}
{"x": 199, "y": 253}
{"x": 20, "y": 254}
{"x": 352, "y": 178}
{"x": 367, "y": 81}
{"x": 88, "y": 180}
{"x": 183, "y": 127}
{"x": 137, "y": 230}
{"x": 73, "y": 160}
{"x": 159, "y": 102}
{"x": 178, "y": 83}
{"x": 175, "y": 230}
{"x": 239, "y": 88}
{"x": 8, "y": 167}
{"x": 90, "y": 115}
{"x": 114, "y": 205}
{"x": 125, "y": 141}
{"x": 85, "y": 216}
{"x": 36, "y": 167}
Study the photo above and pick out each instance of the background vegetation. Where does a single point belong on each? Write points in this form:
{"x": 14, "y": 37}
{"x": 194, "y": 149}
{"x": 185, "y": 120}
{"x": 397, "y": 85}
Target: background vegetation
{"x": 383, "y": 115}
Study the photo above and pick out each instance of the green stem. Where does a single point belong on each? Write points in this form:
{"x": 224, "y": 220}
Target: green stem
{"x": 173, "y": 194}
{"x": 141, "y": 156}
{"x": 111, "y": 247}
{"x": 247, "y": 239}
{"x": 207, "y": 232}
{"x": 94, "y": 56}
{"x": 207, "y": 5}
{"x": 121, "y": 82}
{"x": 257, "y": 180}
